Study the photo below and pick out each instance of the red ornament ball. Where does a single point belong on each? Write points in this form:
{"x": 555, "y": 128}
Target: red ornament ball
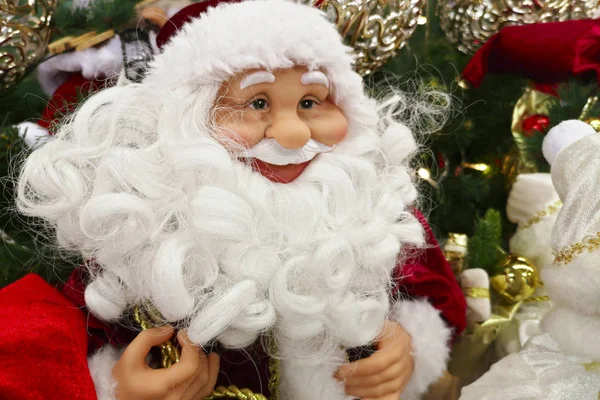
{"x": 535, "y": 123}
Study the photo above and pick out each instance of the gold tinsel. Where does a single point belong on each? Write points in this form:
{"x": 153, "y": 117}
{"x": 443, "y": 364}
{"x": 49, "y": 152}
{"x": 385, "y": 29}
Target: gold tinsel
{"x": 24, "y": 35}
{"x": 375, "y": 29}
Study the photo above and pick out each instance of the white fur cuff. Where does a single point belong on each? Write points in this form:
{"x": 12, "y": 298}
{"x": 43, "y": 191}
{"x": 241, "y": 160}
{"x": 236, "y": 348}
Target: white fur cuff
{"x": 101, "y": 365}
{"x": 430, "y": 343}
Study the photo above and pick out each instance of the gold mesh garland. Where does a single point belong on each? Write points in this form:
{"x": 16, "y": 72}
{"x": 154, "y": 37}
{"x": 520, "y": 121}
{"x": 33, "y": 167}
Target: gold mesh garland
{"x": 376, "y": 29}
{"x": 469, "y": 23}
{"x": 24, "y": 35}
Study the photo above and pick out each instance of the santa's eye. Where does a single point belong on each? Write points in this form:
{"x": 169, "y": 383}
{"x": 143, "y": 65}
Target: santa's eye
{"x": 307, "y": 104}
{"x": 259, "y": 104}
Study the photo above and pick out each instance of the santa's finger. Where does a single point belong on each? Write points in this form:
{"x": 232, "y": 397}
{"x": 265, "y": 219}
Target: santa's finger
{"x": 136, "y": 352}
{"x": 374, "y": 364}
{"x": 192, "y": 365}
{"x": 395, "y": 386}
{"x": 199, "y": 389}
{"x": 391, "y": 373}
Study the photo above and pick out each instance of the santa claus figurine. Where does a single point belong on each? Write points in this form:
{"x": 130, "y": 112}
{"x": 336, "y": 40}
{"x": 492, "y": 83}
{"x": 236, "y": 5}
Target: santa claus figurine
{"x": 562, "y": 361}
{"x": 249, "y": 195}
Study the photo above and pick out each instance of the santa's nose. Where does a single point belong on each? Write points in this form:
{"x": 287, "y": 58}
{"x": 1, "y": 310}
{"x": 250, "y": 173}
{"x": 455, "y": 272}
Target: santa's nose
{"x": 289, "y": 132}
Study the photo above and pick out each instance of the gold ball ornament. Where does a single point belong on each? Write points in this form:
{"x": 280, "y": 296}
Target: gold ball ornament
{"x": 517, "y": 279}
{"x": 469, "y": 23}
{"x": 375, "y": 29}
{"x": 24, "y": 35}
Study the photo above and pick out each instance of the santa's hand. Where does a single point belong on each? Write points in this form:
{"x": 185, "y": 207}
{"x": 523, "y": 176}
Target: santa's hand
{"x": 384, "y": 374}
{"x": 193, "y": 377}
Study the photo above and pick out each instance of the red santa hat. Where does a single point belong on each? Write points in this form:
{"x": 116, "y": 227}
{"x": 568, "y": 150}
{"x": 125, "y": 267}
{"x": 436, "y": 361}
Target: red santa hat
{"x": 207, "y": 43}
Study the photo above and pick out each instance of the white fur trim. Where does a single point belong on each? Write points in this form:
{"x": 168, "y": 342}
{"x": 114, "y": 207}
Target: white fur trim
{"x": 430, "y": 341}
{"x": 530, "y": 194}
{"x": 576, "y": 284}
{"x": 534, "y": 242}
{"x": 301, "y": 381}
{"x": 563, "y": 135}
{"x": 577, "y": 334}
{"x": 32, "y": 133}
{"x": 102, "y": 62}
{"x": 478, "y": 308}
{"x": 101, "y": 365}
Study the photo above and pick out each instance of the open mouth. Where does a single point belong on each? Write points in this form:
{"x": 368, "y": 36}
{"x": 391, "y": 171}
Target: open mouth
{"x": 279, "y": 173}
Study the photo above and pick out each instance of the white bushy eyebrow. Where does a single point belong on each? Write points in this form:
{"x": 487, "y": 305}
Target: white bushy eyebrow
{"x": 315, "y": 77}
{"x": 256, "y": 78}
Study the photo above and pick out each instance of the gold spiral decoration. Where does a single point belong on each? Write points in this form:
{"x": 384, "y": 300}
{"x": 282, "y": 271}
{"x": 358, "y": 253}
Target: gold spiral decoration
{"x": 24, "y": 35}
{"x": 375, "y": 29}
{"x": 469, "y": 23}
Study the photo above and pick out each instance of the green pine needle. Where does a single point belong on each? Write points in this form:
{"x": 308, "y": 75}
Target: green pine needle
{"x": 483, "y": 247}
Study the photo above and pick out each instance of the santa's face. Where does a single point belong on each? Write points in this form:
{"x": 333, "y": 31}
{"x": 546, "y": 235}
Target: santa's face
{"x": 283, "y": 119}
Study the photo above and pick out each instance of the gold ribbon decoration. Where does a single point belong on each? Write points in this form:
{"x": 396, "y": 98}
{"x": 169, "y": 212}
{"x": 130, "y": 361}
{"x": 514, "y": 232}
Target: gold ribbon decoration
{"x": 375, "y": 29}
{"x": 477, "y": 292}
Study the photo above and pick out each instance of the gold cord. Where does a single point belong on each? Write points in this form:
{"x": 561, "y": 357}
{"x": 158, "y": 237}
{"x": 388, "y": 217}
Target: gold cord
{"x": 233, "y": 392}
{"x": 168, "y": 352}
{"x": 589, "y": 244}
{"x": 150, "y": 318}
{"x": 537, "y": 217}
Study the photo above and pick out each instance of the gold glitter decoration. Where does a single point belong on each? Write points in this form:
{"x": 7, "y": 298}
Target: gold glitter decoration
{"x": 375, "y": 29}
{"x": 24, "y": 35}
{"x": 518, "y": 280}
{"x": 468, "y": 24}
{"x": 233, "y": 392}
{"x": 477, "y": 292}
{"x": 538, "y": 216}
{"x": 151, "y": 319}
{"x": 589, "y": 244}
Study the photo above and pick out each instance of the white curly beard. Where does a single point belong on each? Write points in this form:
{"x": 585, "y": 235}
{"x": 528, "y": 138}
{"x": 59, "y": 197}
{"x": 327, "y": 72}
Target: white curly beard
{"x": 172, "y": 219}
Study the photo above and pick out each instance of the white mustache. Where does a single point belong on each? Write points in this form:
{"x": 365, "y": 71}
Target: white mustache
{"x": 271, "y": 152}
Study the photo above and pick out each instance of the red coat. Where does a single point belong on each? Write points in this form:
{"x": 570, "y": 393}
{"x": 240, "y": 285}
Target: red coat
{"x": 47, "y": 334}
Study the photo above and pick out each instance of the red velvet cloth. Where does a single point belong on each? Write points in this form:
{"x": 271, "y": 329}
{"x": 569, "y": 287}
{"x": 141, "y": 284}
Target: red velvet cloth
{"x": 66, "y": 98}
{"x": 184, "y": 15}
{"x": 545, "y": 53}
{"x": 428, "y": 275}
{"x": 43, "y": 344}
